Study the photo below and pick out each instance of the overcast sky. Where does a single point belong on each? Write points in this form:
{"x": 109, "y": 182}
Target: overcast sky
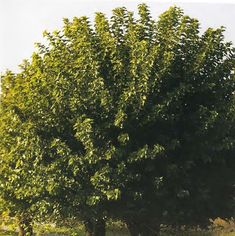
{"x": 23, "y": 21}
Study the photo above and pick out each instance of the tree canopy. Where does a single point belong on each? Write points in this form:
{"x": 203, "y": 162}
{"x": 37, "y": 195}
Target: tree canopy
{"x": 126, "y": 118}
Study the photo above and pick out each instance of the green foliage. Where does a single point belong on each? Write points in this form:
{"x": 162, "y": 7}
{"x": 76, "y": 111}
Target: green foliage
{"x": 129, "y": 118}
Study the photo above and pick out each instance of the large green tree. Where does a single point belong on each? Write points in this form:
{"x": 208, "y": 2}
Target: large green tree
{"x": 130, "y": 119}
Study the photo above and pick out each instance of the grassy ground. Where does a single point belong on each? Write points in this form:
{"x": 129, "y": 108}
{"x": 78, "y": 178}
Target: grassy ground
{"x": 111, "y": 233}
{"x": 218, "y": 227}
{"x": 123, "y": 233}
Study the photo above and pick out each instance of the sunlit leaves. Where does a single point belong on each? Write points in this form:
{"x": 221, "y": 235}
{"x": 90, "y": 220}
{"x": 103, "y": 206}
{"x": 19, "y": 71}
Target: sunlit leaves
{"x": 120, "y": 111}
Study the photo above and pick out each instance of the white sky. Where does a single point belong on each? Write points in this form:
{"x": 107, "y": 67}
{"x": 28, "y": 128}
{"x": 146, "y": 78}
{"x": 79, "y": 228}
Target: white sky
{"x": 23, "y": 21}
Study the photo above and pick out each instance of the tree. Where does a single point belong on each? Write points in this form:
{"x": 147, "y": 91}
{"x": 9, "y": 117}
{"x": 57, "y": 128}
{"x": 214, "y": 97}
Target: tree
{"x": 128, "y": 119}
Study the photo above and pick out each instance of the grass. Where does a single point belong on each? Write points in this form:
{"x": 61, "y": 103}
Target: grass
{"x": 7, "y": 233}
{"x": 118, "y": 233}
{"x": 112, "y": 233}
{"x": 60, "y": 232}
{"x": 219, "y": 227}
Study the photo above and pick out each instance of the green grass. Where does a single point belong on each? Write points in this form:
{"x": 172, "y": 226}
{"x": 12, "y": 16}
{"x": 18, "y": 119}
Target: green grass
{"x": 7, "y": 233}
{"x": 218, "y": 228}
{"x": 117, "y": 233}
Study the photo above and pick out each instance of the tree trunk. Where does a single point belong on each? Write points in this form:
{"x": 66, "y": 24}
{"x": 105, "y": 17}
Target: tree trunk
{"x": 99, "y": 228}
{"x": 143, "y": 229}
{"x": 21, "y": 231}
{"x": 25, "y": 227}
{"x": 95, "y": 228}
{"x": 132, "y": 228}
{"x": 89, "y": 228}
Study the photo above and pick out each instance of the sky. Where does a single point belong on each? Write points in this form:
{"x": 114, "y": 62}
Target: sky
{"x": 23, "y": 21}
